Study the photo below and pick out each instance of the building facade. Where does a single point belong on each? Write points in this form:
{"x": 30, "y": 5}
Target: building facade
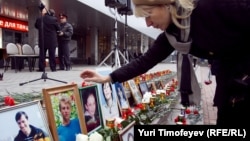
{"x": 98, "y": 28}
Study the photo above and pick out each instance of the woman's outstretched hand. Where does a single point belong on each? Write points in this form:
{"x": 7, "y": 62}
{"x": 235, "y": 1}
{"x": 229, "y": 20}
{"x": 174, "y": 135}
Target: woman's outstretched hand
{"x": 89, "y": 75}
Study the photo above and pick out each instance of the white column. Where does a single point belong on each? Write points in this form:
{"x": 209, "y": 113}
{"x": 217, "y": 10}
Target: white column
{"x": 94, "y": 45}
{"x": 1, "y": 38}
{"x": 144, "y": 43}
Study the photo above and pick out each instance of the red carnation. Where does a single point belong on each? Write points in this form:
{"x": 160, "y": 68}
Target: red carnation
{"x": 187, "y": 111}
{"x": 83, "y": 84}
{"x": 9, "y": 101}
{"x": 196, "y": 112}
{"x": 119, "y": 126}
{"x": 208, "y": 82}
{"x": 139, "y": 106}
{"x": 130, "y": 112}
{"x": 184, "y": 121}
{"x": 176, "y": 119}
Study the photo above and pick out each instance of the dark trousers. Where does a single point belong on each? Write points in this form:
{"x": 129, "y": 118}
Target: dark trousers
{"x": 234, "y": 109}
{"x": 64, "y": 54}
{"x": 52, "y": 58}
{"x": 234, "y": 115}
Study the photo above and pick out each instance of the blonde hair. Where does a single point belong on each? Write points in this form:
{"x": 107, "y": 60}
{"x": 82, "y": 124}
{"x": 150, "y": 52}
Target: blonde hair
{"x": 64, "y": 99}
{"x": 179, "y": 9}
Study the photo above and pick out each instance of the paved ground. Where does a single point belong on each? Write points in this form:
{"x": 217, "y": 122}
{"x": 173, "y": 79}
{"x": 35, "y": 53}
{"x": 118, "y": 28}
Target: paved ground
{"x": 12, "y": 80}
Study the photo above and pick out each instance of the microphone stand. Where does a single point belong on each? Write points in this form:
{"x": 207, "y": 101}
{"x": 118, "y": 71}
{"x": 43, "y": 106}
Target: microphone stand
{"x": 115, "y": 50}
{"x": 44, "y": 74}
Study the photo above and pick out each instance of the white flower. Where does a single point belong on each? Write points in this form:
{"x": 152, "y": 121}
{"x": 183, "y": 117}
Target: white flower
{"x": 118, "y": 120}
{"x": 159, "y": 91}
{"x": 162, "y": 91}
{"x": 95, "y": 137}
{"x": 82, "y": 137}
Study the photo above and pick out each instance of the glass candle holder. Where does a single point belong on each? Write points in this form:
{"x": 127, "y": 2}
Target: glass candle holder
{"x": 110, "y": 122}
{"x": 144, "y": 106}
{"x": 152, "y": 102}
{"x": 162, "y": 96}
{"x": 183, "y": 111}
{"x": 180, "y": 117}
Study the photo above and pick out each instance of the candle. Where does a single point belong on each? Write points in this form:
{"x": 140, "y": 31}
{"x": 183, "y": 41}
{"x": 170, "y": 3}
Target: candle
{"x": 144, "y": 106}
{"x": 110, "y": 122}
{"x": 152, "y": 102}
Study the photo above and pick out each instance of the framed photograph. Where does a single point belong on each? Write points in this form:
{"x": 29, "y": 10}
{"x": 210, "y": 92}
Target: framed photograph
{"x": 143, "y": 87}
{"x": 121, "y": 96}
{"x": 16, "y": 120}
{"x": 159, "y": 85}
{"x": 127, "y": 134}
{"x": 64, "y": 111}
{"x": 107, "y": 96}
{"x": 135, "y": 91}
{"x": 91, "y": 105}
{"x": 164, "y": 82}
{"x": 151, "y": 86}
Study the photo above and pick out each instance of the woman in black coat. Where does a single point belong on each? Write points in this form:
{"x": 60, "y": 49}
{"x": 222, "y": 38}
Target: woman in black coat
{"x": 48, "y": 28}
{"x": 216, "y": 29}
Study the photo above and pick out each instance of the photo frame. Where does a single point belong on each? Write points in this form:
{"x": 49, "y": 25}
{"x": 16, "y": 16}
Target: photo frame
{"x": 143, "y": 87}
{"x": 135, "y": 91}
{"x": 164, "y": 82}
{"x": 122, "y": 99}
{"x": 107, "y": 93}
{"x": 11, "y": 116}
{"x": 151, "y": 86}
{"x": 64, "y": 101}
{"x": 127, "y": 134}
{"x": 158, "y": 84}
{"x": 91, "y": 104}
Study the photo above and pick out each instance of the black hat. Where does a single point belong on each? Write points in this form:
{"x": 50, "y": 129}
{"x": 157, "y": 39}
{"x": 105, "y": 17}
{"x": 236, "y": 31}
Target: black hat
{"x": 62, "y": 15}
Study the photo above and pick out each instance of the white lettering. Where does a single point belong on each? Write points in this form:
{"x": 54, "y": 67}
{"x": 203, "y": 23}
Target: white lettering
{"x": 140, "y": 131}
{"x": 182, "y": 132}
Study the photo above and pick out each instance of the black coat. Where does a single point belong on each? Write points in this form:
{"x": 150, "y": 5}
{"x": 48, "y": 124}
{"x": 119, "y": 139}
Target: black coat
{"x": 49, "y": 29}
{"x": 67, "y": 30}
{"x": 219, "y": 30}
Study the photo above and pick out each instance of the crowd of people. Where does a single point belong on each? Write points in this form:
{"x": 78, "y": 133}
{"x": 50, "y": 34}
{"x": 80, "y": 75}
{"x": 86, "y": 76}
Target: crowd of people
{"x": 53, "y": 34}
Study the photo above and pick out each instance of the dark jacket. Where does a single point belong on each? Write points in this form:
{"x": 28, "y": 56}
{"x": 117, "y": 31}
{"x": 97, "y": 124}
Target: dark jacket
{"x": 67, "y": 30}
{"x": 49, "y": 29}
{"x": 219, "y": 30}
{"x": 35, "y": 134}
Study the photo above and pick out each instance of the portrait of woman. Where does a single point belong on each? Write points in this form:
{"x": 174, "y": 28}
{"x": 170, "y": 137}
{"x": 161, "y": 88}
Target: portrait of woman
{"x": 107, "y": 96}
{"x": 135, "y": 91}
{"x": 143, "y": 87}
{"x": 110, "y": 108}
{"x": 121, "y": 96}
{"x": 91, "y": 109}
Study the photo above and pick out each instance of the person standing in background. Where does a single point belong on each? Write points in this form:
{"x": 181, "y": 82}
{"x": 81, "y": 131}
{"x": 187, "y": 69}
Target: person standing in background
{"x": 48, "y": 27}
{"x": 63, "y": 42}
